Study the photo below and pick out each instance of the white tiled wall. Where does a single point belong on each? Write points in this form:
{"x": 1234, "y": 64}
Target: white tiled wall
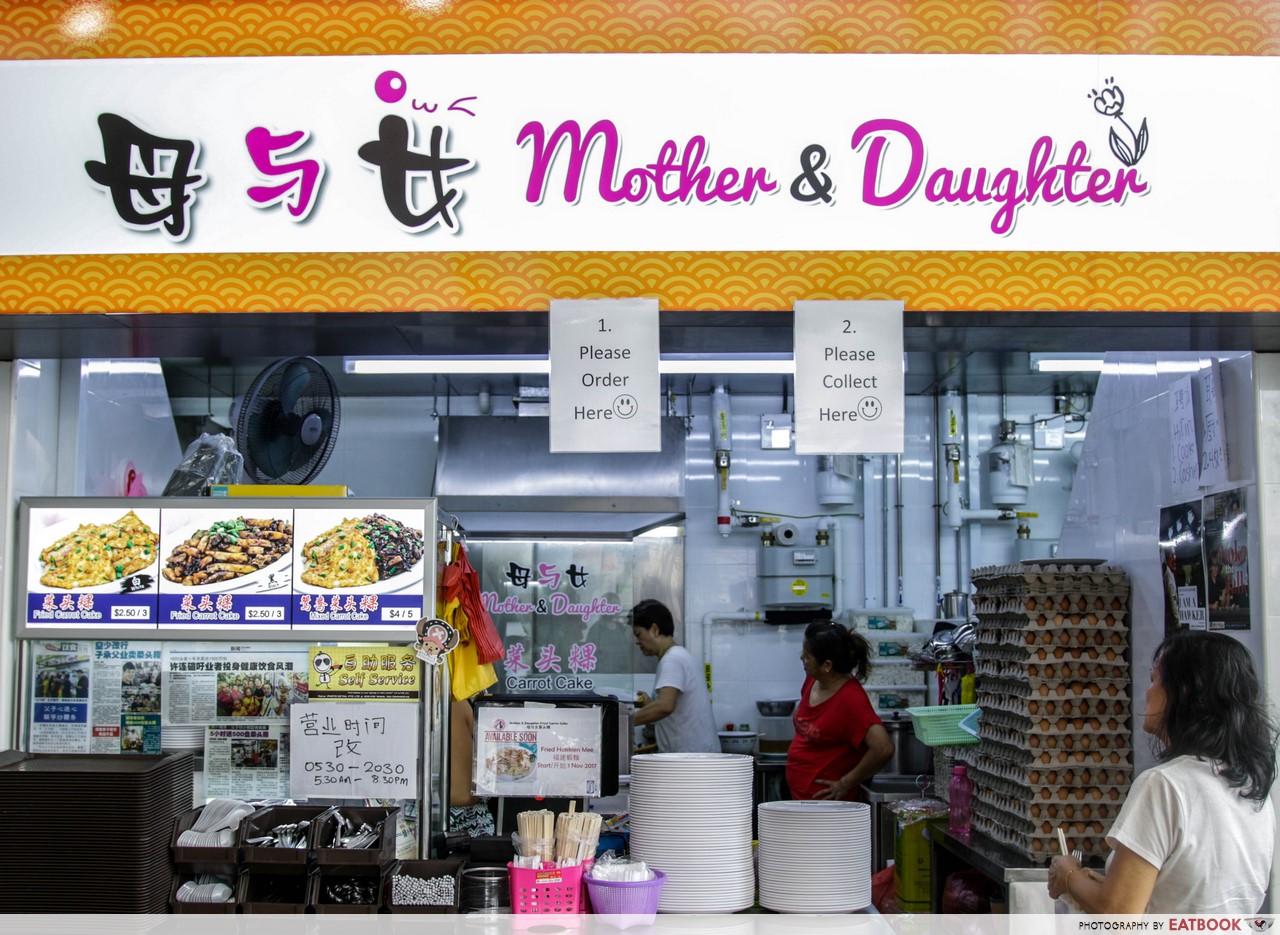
{"x": 753, "y": 661}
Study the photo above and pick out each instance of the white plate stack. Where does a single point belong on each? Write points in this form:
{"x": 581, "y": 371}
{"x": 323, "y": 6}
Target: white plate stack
{"x": 815, "y": 856}
{"x": 691, "y": 819}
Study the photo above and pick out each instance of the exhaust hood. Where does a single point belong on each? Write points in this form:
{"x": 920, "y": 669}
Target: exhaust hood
{"x": 498, "y": 476}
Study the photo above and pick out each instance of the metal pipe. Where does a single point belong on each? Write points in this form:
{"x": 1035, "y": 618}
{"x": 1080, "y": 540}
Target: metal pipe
{"x": 722, "y": 443}
{"x": 939, "y": 466}
{"x": 884, "y": 528}
{"x": 898, "y": 520}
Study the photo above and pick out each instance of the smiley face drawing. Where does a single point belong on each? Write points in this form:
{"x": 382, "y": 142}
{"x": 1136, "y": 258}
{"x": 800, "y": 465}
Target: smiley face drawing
{"x": 869, "y": 408}
{"x": 625, "y": 406}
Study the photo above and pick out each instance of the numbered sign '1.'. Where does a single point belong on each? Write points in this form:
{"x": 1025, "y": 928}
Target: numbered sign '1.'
{"x": 604, "y": 375}
{"x": 849, "y": 377}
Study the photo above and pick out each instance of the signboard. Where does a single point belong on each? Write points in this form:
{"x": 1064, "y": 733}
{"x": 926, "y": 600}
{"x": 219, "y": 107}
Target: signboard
{"x": 849, "y": 377}
{"x": 604, "y": 375}
{"x": 537, "y": 750}
{"x": 354, "y": 751}
{"x": 348, "y": 673}
{"x": 196, "y": 566}
{"x": 1184, "y": 452}
{"x": 567, "y": 152}
{"x": 93, "y": 567}
{"x": 1214, "y": 465}
{"x": 226, "y": 567}
{"x": 358, "y": 568}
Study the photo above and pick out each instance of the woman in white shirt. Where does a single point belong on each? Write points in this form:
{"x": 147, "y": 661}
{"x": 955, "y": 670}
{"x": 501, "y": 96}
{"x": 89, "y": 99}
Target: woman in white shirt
{"x": 1197, "y": 831}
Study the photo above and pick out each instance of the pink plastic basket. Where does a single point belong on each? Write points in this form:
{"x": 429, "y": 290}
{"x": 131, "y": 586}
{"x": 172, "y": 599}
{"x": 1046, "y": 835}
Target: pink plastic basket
{"x": 630, "y": 898}
{"x": 556, "y": 889}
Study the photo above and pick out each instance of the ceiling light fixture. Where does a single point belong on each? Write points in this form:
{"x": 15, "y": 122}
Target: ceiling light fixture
{"x": 667, "y": 364}
{"x": 1066, "y": 363}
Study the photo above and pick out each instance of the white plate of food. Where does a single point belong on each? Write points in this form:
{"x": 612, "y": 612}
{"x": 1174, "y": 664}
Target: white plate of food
{"x": 512, "y": 763}
{"x": 65, "y": 556}
{"x": 240, "y": 553}
{"x": 368, "y": 554}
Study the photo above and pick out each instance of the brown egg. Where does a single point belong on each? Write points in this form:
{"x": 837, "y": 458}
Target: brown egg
{"x": 1062, "y": 793}
{"x": 1086, "y": 741}
{"x": 1030, "y": 603}
{"x": 1113, "y": 795}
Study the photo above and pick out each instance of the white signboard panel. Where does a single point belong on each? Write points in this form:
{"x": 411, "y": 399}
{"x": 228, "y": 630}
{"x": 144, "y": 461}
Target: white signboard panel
{"x": 358, "y": 750}
{"x": 604, "y": 375}
{"x": 849, "y": 380}
{"x": 1214, "y": 467}
{"x": 538, "y": 751}
{"x": 569, "y": 152}
{"x": 1184, "y": 458}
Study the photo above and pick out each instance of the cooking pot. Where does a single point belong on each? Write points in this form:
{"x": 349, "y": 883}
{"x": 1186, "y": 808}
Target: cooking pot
{"x": 910, "y": 756}
{"x": 955, "y": 605}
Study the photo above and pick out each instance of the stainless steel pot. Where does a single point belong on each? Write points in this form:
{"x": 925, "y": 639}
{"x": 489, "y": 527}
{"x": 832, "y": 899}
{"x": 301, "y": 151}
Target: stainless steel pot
{"x": 955, "y": 605}
{"x": 910, "y": 756}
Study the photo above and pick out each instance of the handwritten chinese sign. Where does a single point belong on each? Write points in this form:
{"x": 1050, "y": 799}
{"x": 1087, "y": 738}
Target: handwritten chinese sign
{"x": 363, "y": 751}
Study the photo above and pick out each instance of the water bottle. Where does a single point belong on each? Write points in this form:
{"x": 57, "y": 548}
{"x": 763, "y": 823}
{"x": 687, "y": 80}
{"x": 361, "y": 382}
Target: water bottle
{"x": 960, "y": 793}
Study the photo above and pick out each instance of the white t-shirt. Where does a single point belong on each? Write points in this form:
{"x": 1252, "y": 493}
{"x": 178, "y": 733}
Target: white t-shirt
{"x": 690, "y": 728}
{"x": 1213, "y": 848}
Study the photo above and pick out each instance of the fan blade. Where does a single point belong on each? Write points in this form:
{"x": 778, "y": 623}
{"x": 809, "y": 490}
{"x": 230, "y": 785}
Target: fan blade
{"x": 269, "y": 451}
{"x": 294, "y": 382}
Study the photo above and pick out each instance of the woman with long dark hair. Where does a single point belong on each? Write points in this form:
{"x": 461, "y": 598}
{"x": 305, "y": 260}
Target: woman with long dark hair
{"x": 1197, "y": 831}
{"x": 840, "y": 742}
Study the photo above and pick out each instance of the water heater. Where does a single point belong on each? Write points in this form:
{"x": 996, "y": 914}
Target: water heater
{"x": 792, "y": 576}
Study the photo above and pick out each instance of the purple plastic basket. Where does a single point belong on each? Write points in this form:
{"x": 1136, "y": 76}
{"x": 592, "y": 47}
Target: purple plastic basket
{"x": 629, "y": 898}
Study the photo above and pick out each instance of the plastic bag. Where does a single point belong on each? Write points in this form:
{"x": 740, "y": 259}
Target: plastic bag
{"x": 210, "y": 459}
{"x": 882, "y": 892}
{"x": 609, "y": 866}
{"x": 967, "y": 891}
{"x": 467, "y": 676}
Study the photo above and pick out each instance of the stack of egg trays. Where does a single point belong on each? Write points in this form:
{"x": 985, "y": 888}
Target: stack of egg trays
{"x": 1053, "y": 677}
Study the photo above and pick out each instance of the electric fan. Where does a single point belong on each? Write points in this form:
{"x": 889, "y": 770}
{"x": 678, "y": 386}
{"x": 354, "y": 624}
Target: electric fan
{"x": 288, "y": 422}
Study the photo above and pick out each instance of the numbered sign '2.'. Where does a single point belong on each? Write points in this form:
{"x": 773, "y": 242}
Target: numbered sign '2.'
{"x": 849, "y": 377}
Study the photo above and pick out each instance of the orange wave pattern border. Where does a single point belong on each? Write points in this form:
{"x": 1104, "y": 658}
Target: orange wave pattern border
{"x": 39, "y": 29}
{"x": 35, "y": 29}
{"x": 374, "y": 282}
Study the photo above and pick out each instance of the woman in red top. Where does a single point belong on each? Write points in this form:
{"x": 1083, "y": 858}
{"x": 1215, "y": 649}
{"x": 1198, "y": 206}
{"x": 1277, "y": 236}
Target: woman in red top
{"x": 840, "y": 742}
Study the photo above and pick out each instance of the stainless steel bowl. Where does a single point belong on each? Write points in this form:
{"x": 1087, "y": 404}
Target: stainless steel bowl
{"x": 777, "y": 708}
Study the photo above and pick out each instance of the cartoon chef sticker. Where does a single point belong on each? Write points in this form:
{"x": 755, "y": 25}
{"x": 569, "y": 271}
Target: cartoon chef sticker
{"x": 323, "y": 664}
{"x": 436, "y": 639}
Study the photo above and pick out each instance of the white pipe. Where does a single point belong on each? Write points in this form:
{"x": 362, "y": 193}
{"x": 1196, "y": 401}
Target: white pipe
{"x": 955, "y": 515}
{"x": 722, "y": 444}
{"x": 710, "y": 617}
{"x": 832, "y": 525}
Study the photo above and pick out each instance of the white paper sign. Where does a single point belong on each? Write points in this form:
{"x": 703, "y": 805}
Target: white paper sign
{"x": 849, "y": 380}
{"x": 604, "y": 375}
{"x": 1213, "y": 438}
{"x": 363, "y": 750}
{"x": 541, "y": 751}
{"x": 1184, "y": 457}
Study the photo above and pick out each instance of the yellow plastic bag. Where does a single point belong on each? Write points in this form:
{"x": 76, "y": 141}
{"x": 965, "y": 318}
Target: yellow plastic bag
{"x": 467, "y": 676}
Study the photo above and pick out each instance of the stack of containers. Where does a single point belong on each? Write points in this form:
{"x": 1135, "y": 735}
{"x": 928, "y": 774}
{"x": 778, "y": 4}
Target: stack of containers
{"x": 892, "y": 684}
{"x": 353, "y": 879}
{"x": 1053, "y": 686}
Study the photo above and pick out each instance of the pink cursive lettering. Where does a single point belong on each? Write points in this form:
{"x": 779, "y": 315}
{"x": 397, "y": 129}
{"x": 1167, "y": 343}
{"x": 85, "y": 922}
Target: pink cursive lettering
{"x": 1073, "y": 180}
{"x": 676, "y": 175}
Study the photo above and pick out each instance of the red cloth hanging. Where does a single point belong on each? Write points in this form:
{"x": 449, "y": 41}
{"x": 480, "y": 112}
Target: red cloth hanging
{"x": 461, "y": 582}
